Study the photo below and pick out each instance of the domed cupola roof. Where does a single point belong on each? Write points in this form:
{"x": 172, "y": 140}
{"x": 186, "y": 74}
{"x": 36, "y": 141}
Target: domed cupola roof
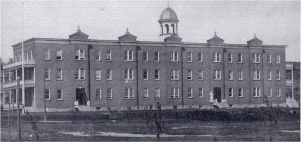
{"x": 168, "y": 14}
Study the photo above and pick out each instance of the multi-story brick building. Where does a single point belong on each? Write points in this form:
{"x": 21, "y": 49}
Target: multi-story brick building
{"x": 131, "y": 74}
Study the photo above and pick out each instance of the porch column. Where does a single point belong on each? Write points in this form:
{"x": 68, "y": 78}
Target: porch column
{"x": 16, "y": 74}
{"x": 9, "y": 74}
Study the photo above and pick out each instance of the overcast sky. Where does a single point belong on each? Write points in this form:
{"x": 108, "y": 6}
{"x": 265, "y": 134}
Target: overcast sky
{"x": 276, "y": 23}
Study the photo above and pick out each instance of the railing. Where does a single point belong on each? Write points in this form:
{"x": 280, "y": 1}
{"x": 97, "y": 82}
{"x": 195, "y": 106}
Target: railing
{"x": 7, "y": 66}
{"x": 289, "y": 82}
{"x": 14, "y": 83}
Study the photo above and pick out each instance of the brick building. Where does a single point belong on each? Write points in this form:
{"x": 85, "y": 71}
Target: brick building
{"x": 130, "y": 74}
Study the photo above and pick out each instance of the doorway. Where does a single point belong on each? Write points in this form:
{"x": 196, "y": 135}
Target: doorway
{"x": 217, "y": 94}
{"x": 81, "y": 96}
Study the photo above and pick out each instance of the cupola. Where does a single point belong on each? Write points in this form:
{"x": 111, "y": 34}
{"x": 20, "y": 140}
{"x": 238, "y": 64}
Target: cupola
{"x": 168, "y": 22}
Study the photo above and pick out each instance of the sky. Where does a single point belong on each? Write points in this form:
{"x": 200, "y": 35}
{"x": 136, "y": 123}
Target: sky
{"x": 274, "y": 22}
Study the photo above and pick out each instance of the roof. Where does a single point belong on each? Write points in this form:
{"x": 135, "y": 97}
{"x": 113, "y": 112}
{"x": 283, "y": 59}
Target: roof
{"x": 168, "y": 14}
{"x": 127, "y": 37}
{"x": 78, "y": 35}
{"x": 215, "y": 40}
{"x": 255, "y": 41}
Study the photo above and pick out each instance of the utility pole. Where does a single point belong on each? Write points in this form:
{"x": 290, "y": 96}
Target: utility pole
{"x": 18, "y": 110}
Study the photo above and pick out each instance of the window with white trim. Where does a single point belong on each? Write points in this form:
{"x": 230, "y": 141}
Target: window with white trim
{"x": 240, "y": 75}
{"x": 189, "y": 75}
{"x": 229, "y": 57}
{"x": 174, "y": 56}
{"x": 175, "y": 93}
{"x": 278, "y": 92}
{"x": 230, "y": 75}
{"x": 230, "y": 92}
{"x": 278, "y": 75}
{"x": 98, "y": 75}
{"x": 157, "y": 75}
{"x": 278, "y": 59}
{"x": 270, "y": 75}
{"x": 80, "y": 74}
{"x": 79, "y": 54}
{"x": 46, "y": 55}
{"x": 240, "y": 59}
{"x": 270, "y": 92}
{"x": 201, "y": 75}
{"x": 256, "y": 75}
{"x": 129, "y": 93}
{"x": 217, "y": 75}
{"x": 216, "y": 57}
{"x": 256, "y": 58}
{"x": 128, "y": 55}
{"x": 240, "y": 92}
{"x": 47, "y": 94}
{"x": 109, "y": 93}
{"x": 200, "y": 57}
{"x": 129, "y": 74}
{"x": 201, "y": 93}
{"x": 190, "y": 93}
{"x": 47, "y": 74}
{"x": 189, "y": 57}
{"x": 145, "y": 94}
{"x": 59, "y": 74}
{"x": 157, "y": 91}
{"x": 109, "y": 74}
{"x": 174, "y": 75}
{"x": 59, "y": 94}
{"x": 109, "y": 55}
{"x": 145, "y": 74}
{"x": 157, "y": 56}
{"x": 269, "y": 58}
{"x": 145, "y": 56}
{"x": 59, "y": 54}
{"x": 98, "y": 55}
{"x": 256, "y": 92}
{"x": 98, "y": 94}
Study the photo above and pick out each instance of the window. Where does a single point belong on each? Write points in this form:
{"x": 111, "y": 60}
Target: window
{"x": 201, "y": 75}
{"x": 256, "y": 58}
{"x": 256, "y": 92}
{"x": 229, "y": 58}
{"x": 129, "y": 74}
{"x": 145, "y": 74}
{"x": 98, "y": 94}
{"x": 174, "y": 56}
{"x": 230, "y": 92}
{"x": 59, "y": 94}
{"x": 79, "y": 54}
{"x": 278, "y": 75}
{"x": 145, "y": 56}
{"x": 59, "y": 54}
{"x": 98, "y": 75}
{"x": 47, "y": 74}
{"x": 157, "y": 56}
{"x": 278, "y": 92}
{"x": 190, "y": 93}
{"x": 109, "y": 93}
{"x": 128, "y": 55}
{"x": 239, "y": 58}
{"x": 189, "y": 57}
{"x": 47, "y": 94}
{"x": 175, "y": 93}
{"x": 46, "y": 54}
{"x": 240, "y": 92}
{"x": 98, "y": 55}
{"x": 201, "y": 93}
{"x": 200, "y": 57}
{"x": 157, "y": 75}
{"x": 230, "y": 75}
{"x": 269, "y": 58}
{"x": 145, "y": 94}
{"x": 189, "y": 75}
{"x": 240, "y": 75}
{"x": 270, "y": 92}
{"x": 256, "y": 75}
{"x": 270, "y": 75}
{"x": 80, "y": 74}
{"x": 216, "y": 57}
{"x": 31, "y": 55}
{"x": 174, "y": 75}
{"x": 59, "y": 74}
{"x": 109, "y": 56}
{"x": 217, "y": 75}
{"x": 109, "y": 74}
{"x": 278, "y": 59}
{"x": 157, "y": 95}
{"x": 129, "y": 93}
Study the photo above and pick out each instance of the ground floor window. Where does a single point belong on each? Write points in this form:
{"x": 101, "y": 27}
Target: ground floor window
{"x": 59, "y": 94}
{"x": 47, "y": 94}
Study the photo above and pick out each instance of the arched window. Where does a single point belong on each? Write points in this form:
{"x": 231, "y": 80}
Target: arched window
{"x": 167, "y": 28}
{"x": 173, "y": 28}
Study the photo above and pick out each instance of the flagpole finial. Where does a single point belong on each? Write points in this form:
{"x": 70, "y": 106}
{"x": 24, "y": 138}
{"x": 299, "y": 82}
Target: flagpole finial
{"x": 254, "y": 35}
{"x": 215, "y": 34}
{"x": 127, "y": 30}
{"x": 78, "y": 29}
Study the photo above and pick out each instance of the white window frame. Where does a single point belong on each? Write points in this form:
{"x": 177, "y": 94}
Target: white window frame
{"x": 129, "y": 74}
{"x": 81, "y": 74}
{"x": 145, "y": 56}
{"x": 145, "y": 94}
{"x": 189, "y": 57}
{"x": 216, "y": 57}
{"x": 62, "y": 97}
{"x": 174, "y": 57}
{"x": 60, "y": 72}
{"x": 98, "y": 92}
{"x": 59, "y": 54}
{"x": 230, "y": 59}
{"x": 129, "y": 93}
{"x": 201, "y": 75}
{"x": 174, "y": 75}
{"x": 217, "y": 75}
{"x": 278, "y": 75}
{"x": 189, "y": 75}
{"x": 157, "y": 74}
{"x": 270, "y": 75}
{"x": 201, "y": 92}
{"x": 240, "y": 92}
{"x": 230, "y": 75}
{"x": 109, "y": 55}
{"x": 190, "y": 93}
{"x": 278, "y": 59}
{"x": 79, "y": 54}
{"x": 278, "y": 92}
{"x": 270, "y": 92}
{"x": 240, "y": 75}
{"x": 269, "y": 58}
{"x": 109, "y": 74}
{"x": 48, "y": 74}
{"x": 157, "y": 56}
{"x": 256, "y": 92}
{"x": 109, "y": 93}
{"x": 200, "y": 57}
{"x": 46, "y": 54}
{"x": 98, "y": 75}
{"x": 129, "y": 55}
{"x": 98, "y": 55}
{"x": 145, "y": 72}
{"x": 256, "y": 75}
{"x": 256, "y": 58}
{"x": 240, "y": 58}
{"x": 46, "y": 94}
{"x": 175, "y": 93}
{"x": 157, "y": 93}
{"x": 230, "y": 92}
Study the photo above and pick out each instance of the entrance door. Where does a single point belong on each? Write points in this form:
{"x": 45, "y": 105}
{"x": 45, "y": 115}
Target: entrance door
{"x": 81, "y": 96}
{"x": 217, "y": 94}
